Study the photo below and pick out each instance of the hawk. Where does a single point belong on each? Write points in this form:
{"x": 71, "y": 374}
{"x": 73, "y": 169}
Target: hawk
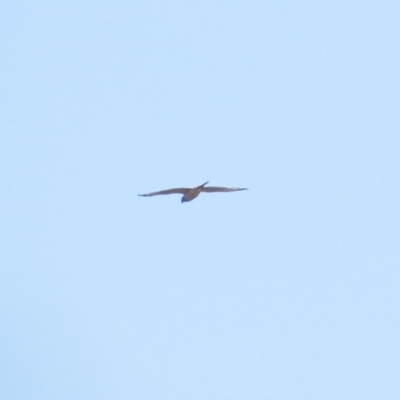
{"x": 190, "y": 194}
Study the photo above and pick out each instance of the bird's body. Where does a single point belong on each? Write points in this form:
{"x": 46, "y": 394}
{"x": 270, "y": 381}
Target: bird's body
{"x": 190, "y": 194}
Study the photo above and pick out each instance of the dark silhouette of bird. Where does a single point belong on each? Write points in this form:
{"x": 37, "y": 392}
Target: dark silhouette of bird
{"x": 190, "y": 194}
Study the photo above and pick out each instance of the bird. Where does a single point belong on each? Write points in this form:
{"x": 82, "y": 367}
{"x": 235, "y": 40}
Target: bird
{"x": 190, "y": 194}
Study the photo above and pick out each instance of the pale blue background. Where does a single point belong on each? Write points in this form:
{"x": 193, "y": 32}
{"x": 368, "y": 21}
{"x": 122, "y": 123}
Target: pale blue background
{"x": 287, "y": 291}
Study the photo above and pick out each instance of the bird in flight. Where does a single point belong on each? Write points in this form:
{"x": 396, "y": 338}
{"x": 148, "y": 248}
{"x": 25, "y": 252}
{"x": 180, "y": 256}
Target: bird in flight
{"x": 190, "y": 194}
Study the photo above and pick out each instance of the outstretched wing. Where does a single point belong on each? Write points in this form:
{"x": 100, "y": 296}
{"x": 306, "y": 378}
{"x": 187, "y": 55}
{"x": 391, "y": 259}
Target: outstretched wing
{"x": 168, "y": 191}
{"x": 213, "y": 189}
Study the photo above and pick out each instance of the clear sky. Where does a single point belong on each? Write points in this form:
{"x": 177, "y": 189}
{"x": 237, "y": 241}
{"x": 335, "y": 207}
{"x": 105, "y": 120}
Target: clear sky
{"x": 290, "y": 290}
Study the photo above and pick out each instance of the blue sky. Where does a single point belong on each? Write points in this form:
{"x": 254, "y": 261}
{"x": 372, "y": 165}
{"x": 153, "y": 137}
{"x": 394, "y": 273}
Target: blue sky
{"x": 287, "y": 291}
